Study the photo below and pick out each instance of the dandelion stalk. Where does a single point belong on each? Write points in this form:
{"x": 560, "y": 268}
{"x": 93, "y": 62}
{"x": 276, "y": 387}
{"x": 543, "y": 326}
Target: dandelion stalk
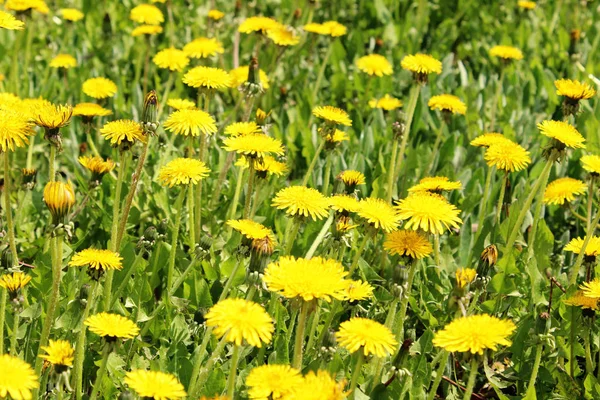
{"x": 360, "y": 359}
{"x": 588, "y": 236}
{"x": 404, "y": 303}
{"x": 3, "y": 300}
{"x": 472, "y": 376}
{"x": 292, "y": 232}
{"x": 313, "y": 163}
{"x": 536, "y": 363}
{"x": 299, "y": 341}
{"x": 319, "y": 239}
{"x": 175, "y": 235}
{"x": 484, "y": 198}
{"x": 392, "y": 170}
{"x": 201, "y": 157}
{"x": 251, "y": 176}
{"x": 410, "y": 112}
{"x": 208, "y": 367}
{"x": 501, "y": 198}
{"x": 321, "y": 72}
{"x": 497, "y": 99}
{"x": 236, "y": 195}
{"x": 327, "y": 174}
{"x": 358, "y": 253}
{"x": 13, "y": 339}
{"x": 52, "y": 163}
{"x": 8, "y": 210}
{"x": 101, "y": 371}
{"x": 229, "y": 282}
{"x": 438, "y": 375}
{"x": 235, "y": 358}
{"x": 436, "y": 146}
{"x": 590, "y": 203}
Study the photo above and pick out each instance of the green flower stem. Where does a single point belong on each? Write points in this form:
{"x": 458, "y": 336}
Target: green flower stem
{"x": 294, "y": 227}
{"x": 327, "y": 174}
{"x": 8, "y": 211}
{"x": 590, "y": 203}
{"x": 320, "y": 236}
{"x": 313, "y": 163}
{"x": 501, "y": 198}
{"x": 200, "y": 356}
{"x": 436, "y": 249}
{"x": 358, "y": 253}
{"x": 258, "y": 186}
{"x": 80, "y": 347}
{"x": 439, "y": 372}
{"x": 251, "y": 176}
{"x": 537, "y": 214}
{"x": 404, "y": 303}
{"x": 29, "y": 162}
{"x": 536, "y": 364}
{"x": 392, "y": 170}
{"x": 229, "y": 282}
{"x": 201, "y": 157}
{"x": 208, "y": 367}
{"x": 13, "y": 339}
{"x": 389, "y": 323}
{"x": 222, "y": 175}
{"x": 472, "y": 376}
{"x": 313, "y": 328}
{"x": 114, "y": 231}
{"x": 236, "y": 195}
{"x": 175, "y": 235}
{"x": 360, "y": 359}
{"x": 299, "y": 341}
{"x": 3, "y": 300}
{"x": 589, "y": 363}
{"x": 125, "y": 274}
{"x": 572, "y": 360}
{"x": 235, "y": 359}
{"x": 334, "y": 308}
{"x": 321, "y": 73}
{"x": 191, "y": 219}
{"x": 586, "y": 241}
{"x": 484, "y": 199}
{"x": 52, "y": 163}
{"x": 436, "y": 146}
{"x": 497, "y": 99}
{"x": 101, "y": 371}
{"x": 410, "y": 112}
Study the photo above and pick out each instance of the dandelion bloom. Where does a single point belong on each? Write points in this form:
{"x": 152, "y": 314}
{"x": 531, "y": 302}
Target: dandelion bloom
{"x": 59, "y": 198}
{"x": 318, "y": 385}
{"x": 240, "y": 320}
{"x": 368, "y": 335}
{"x": 563, "y": 190}
{"x": 592, "y": 248}
{"x": 387, "y": 103}
{"x": 526, "y": 5}
{"x": 352, "y": 178}
{"x": 379, "y": 214}
{"x": 99, "y": 88}
{"x": 264, "y": 165}
{"x": 435, "y": 184}
{"x": 407, "y": 243}
{"x": 171, "y": 59}
{"x": 155, "y": 385}
{"x": 99, "y": 259}
{"x": 336, "y": 137}
{"x": 14, "y": 282}
{"x": 181, "y": 104}
{"x": 258, "y": 24}
{"x": 146, "y": 30}
{"x": 122, "y": 130}
{"x": 429, "y": 212}
{"x": 488, "y": 139}
{"x": 97, "y": 165}
{"x": 374, "y": 65}
{"x": 191, "y": 122}
{"x": 90, "y": 110}
{"x": 17, "y": 378}
{"x": 344, "y": 203}
{"x": 207, "y": 78}
{"x": 317, "y": 28}
{"x": 506, "y": 52}
{"x": 8, "y": 21}
{"x": 272, "y": 381}
{"x": 448, "y": 103}
{"x": 63, "y": 61}
{"x": 215, "y": 14}
{"x": 51, "y": 116}
{"x": 243, "y": 129}
{"x": 250, "y": 229}
{"x": 591, "y": 289}
{"x": 579, "y": 299}
{"x": 474, "y": 334}
{"x": 112, "y": 326}
{"x": 573, "y": 89}
{"x": 421, "y": 64}
{"x": 591, "y": 164}
{"x": 203, "y": 48}
{"x": 26, "y": 5}
{"x": 254, "y": 145}
{"x": 358, "y": 290}
{"x": 508, "y": 156}
{"x": 147, "y": 14}
{"x": 302, "y": 201}
{"x": 71, "y": 14}
{"x": 239, "y": 75}
{"x": 59, "y": 353}
{"x": 14, "y": 130}
{"x": 317, "y": 278}
{"x": 563, "y": 132}
{"x": 283, "y": 36}
{"x": 332, "y": 115}
{"x": 183, "y": 171}
{"x": 464, "y": 276}
{"x": 334, "y": 28}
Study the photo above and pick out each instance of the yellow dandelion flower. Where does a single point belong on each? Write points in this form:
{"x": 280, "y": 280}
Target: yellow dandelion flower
{"x": 317, "y": 278}
{"x": 447, "y": 102}
{"x": 171, "y": 59}
{"x": 59, "y": 353}
{"x": 147, "y": 14}
{"x": 17, "y": 378}
{"x": 240, "y": 320}
{"x": 59, "y": 198}
{"x": 563, "y": 132}
{"x": 254, "y": 145}
{"x": 283, "y": 36}
{"x": 71, "y": 14}
{"x": 191, "y": 122}
{"x": 51, "y": 116}
{"x": 242, "y": 129}
{"x": 591, "y": 289}
{"x": 488, "y": 139}
{"x": 182, "y": 171}
{"x": 317, "y": 28}
{"x": 344, "y": 203}
{"x": 302, "y": 201}
{"x": 407, "y": 243}
{"x": 63, "y": 61}
{"x": 581, "y": 300}
{"x": 367, "y": 335}
{"x": 474, "y": 334}
{"x": 379, "y": 214}
{"x": 181, "y": 104}
{"x": 240, "y": 75}
{"x": 506, "y": 52}
{"x": 428, "y": 212}
{"x": 207, "y": 78}
{"x": 99, "y": 88}
{"x": 387, "y": 103}
{"x": 97, "y": 165}
{"x": 146, "y": 30}
{"x": 203, "y": 48}
{"x": 319, "y": 386}
{"x": 9, "y": 100}
{"x": 352, "y": 178}
{"x": 99, "y": 259}
{"x": 25, "y": 5}
{"x": 508, "y": 156}
{"x": 563, "y": 190}
{"x": 591, "y": 164}
{"x": 334, "y": 28}
{"x": 421, "y": 64}
{"x": 374, "y": 65}
{"x": 526, "y": 5}
{"x": 592, "y": 248}
{"x": 155, "y": 385}
{"x": 573, "y": 89}
{"x": 250, "y": 229}
{"x": 343, "y": 224}
{"x": 435, "y": 184}
{"x": 272, "y": 381}
{"x": 264, "y": 165}
{"x": 8, "y": 21}
{"x": 14, "y": 130}
{"x": 215, "y": 14}
{"x": 258, "y": 24}
{"x": 14, "y": 282}
{"x": 358, "y": 290}
{"x": 332, "y": 115}
{"x": 464, "y": 276}
{"x": 90, "y": 110}
{"x": 122, "y": 130}
{"x": 112, "y": 326}
{"x": 336, "y": 137}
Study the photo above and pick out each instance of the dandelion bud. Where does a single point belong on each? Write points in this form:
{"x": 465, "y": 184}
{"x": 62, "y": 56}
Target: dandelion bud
{"x": 59, "y": 198}
{"x": 464, "y": 276}
{"x": 399, "y": 274}
{"x": 575, "y": 36}
{"x": 7, "y": 260}
{"x": 150, "y": 112}
{"x": 261, "y": 116}
{"x": 29, "y": 178}
{"x": 252, "y": 86}
{"x": 260, "y": 251}
{"x": 487, "y": 260}
{"x": 398, "y": 128}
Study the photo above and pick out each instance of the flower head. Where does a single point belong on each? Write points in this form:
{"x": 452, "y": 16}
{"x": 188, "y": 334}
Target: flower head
{"x": 239, "y": 76}
{"x": 302, "y": 201}
{"x": 591, "y": 289}
{"x": 147, "y": 14}
{"x": 254, "y": 145}
{"x": 203, "y": 48}
{"x": 215, "y": 14}
{"x": 258, "y": 24}
{"x": 191, "y": 122}
{"x": 59, "y": 353}
{"x": 474, "y": 334}
{"x": 336, "y": 137}
{"x": 352, "y": 178}
{"x": 526, "y": 5}
{"x": 563, "y": 132}
{"x": 358, "y": 290}
{"x": 334, "y": 29}
{"x": 428, "y": 212}
{"x": 592, "y": 248}
{"x": 387, "y": 103}
{"x": 90, "y": 110}
{"x": 243, "y": 128}
{"x": 421, "y": 65}
{"x": 317, "y": 278}
{"x": 283, "y": 36}
{"x": 17, "y": 378}
{"x": 99, "y": 88}
{"x": 207, "y": 78}
{"x": 318, "y": 385}
{"x": 579, "y": 299}
{"x": 563, "y": 190}
{"x": 488, "y": 139}
{"x": 506, "y": 53}
{"x": 155, "y": 385}
{"x": 250, "y": 229}
{"x": 122, "y": 130}
{"x": 344, "y": 203}
{"x": 59, "y": 198}
{"x": 265, "y": 165}
{"x": 367, "y": 335}
{"x": 591, "y": 164}
{"x": 8, "y": 21}
{"x": 171, "y": 59}
{"x": 435, "y": 184}
{"x": 464, "y": 276}
{"x": 508, "y": 156}
{"x": 112, "y": 326}
{"x": 332, "y": 115}
{"x": 272, "y": 381}
{"x": 183, "y": 171}
{"x": 447, "y": 102}
{"x": 98, "y": 259}
{"x": 52, "y": 116}
{"x": 407, "y": 243}
{"x": 146, "y": 30}
{"x": 317, "y": 28}
{"x": 374, "y": 65}
{"x": 181, "y": 104}
{"x": 71, "y": 14}
{"x": 14, "y": 282}
{"x": 379, "y": 214}
{"x": 25, "y": 5}
{"x": 240, "y": 320}
{"x": 14, "y": 129}
{"x": 573, "y": 89}
{"x": 63, "y": 61}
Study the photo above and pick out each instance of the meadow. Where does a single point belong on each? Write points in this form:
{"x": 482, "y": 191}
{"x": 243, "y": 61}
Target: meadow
{"x": 351, "y": 199}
